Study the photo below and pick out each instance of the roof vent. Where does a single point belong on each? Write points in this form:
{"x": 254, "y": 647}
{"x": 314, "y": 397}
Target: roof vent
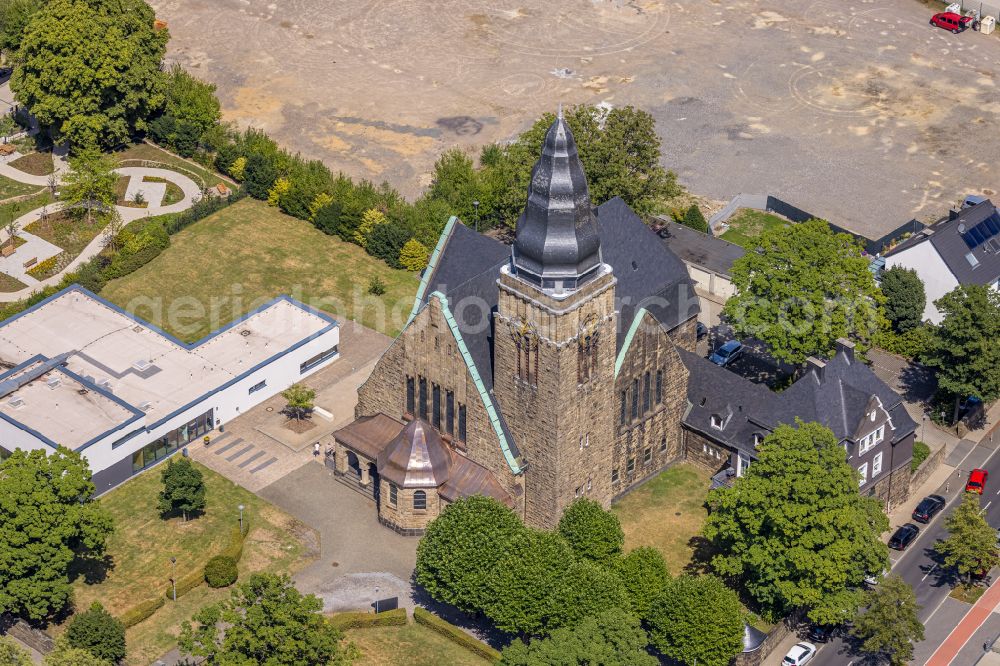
{"x": 961, "y": 228}
{"x": 146, "y": 406}
{"x": 53, "y": 381}
{"x": 105, "y": 384}
{"x": 142, "y": 365}
{"x": 15, "y": 402}
{"x": 138, "y": 329}
{"x": 245, "y": 332}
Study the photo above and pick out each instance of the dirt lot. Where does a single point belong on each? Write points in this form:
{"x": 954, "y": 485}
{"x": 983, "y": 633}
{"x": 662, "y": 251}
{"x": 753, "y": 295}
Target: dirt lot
{"x": 856, "y": 110}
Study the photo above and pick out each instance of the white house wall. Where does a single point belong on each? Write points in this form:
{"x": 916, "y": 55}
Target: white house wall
{"x": 930, "y": 267}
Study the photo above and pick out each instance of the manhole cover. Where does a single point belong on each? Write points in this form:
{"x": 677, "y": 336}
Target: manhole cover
{"x": 334, "y": 564}
{"x": 270, "y": 409}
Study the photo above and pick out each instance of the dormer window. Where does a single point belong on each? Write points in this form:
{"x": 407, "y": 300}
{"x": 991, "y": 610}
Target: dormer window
{"x": 716, "y": 421}
{"x": 757, "y": 439}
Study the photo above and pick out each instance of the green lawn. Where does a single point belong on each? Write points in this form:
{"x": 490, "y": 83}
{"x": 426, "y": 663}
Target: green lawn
{"x": 665, "y": 512}
{"x": 173, "y": 194}
{"x": 143, "y": 544}
{"x": 11, "y": 188}
{"x": 413, "y": 645}
{"x": 248, "y": 253}
{"x": 144, "y": 151}
{"x": 37, "y": 164}
{"x": 14, "y": 210}
{"x": 746, "y": 225}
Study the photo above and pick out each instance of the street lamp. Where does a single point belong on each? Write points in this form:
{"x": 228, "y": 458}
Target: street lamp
{"x": 923, "y": 421}
{"x": 475, "y": 206}
{"x": 173, "y": 576}
{"x": 241, "y": 507}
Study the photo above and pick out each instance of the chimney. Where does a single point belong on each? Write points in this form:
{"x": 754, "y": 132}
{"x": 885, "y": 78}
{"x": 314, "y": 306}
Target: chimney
{"x": 816, "y": 365}
{"x": 846, "y": 347}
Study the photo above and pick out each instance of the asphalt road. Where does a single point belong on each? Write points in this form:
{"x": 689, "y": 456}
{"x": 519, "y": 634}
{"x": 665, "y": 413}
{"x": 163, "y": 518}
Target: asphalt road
{"x": 918, "y": 565}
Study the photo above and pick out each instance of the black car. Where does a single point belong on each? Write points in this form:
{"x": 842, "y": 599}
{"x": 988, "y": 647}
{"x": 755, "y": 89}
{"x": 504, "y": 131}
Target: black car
{"x": 928, "y": 507}
{"x": 904, "y": 536}
{"x": 701, "y": 330}
{"x": 820, "y": 633}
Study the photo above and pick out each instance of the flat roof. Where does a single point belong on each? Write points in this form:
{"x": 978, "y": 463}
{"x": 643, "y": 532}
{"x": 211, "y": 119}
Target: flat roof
{"x": 701, "y": 249}
{"x": 128, "y": 363}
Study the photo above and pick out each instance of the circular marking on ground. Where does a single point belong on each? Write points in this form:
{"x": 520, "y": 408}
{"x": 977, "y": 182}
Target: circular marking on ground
{"x": 835, "y": 90}
{"x": 764, "y": 87}
{"x": 522, "y": 84}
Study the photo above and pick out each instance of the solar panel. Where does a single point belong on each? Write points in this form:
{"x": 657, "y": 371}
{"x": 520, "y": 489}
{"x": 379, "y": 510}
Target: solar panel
{"x": 977, "y": 236}
{"x": 993, "y": 224}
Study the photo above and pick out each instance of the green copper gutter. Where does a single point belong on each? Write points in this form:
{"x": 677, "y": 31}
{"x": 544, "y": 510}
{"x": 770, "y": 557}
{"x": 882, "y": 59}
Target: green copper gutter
{"x": 512, "y": 462}
{"x": 639, "y": 314}
{"x": 431, "y": 265}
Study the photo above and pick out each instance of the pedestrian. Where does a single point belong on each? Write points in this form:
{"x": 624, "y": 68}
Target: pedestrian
{"x": 316, "y": 449}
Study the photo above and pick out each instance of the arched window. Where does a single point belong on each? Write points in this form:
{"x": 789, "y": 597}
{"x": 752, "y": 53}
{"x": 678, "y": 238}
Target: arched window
{"x": 419, "y": 500}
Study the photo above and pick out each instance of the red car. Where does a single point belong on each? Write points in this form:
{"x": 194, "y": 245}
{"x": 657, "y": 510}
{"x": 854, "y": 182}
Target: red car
{"x": 977, "y": 481}
{"x": 952, "y": 21}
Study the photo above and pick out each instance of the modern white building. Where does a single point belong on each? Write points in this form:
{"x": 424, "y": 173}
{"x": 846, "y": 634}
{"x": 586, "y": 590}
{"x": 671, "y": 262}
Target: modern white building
{"x": 84, "y": 374}
{"x": 964, "y": 248}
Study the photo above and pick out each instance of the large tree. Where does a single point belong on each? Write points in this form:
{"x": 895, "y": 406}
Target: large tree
{"x": 611, "y": 638}
{"x": 593, "y": 533}
{"x": 266, "y": 621}
{"x": 801, "y": 289}
{"x": 525, "y": 593}
{"x": 90, "y": 184}
{"x": 697, "y": 619}
{"x": 889, "y": 626}
{"x": 183, "y": 488}
{"x": 971, "y": 545}
{"x": 644, "y": 574}
{"x": 191, "y": 110}
{"x": 904, "y": 298}
{"x": 48, "y": 519}
{"x": 98, "y": 633}
{"x": 965, "y": 352}
{"x": 12, "y": 654}
{"x": 85, "y": 90}
{"x": 793, "y": 531}
{"x": 461, "y": 547}
{"x": 14, "y": 18}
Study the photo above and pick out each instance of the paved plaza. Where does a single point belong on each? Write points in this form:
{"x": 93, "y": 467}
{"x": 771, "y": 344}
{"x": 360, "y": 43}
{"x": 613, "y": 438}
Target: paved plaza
{"x": 856, "y": 111}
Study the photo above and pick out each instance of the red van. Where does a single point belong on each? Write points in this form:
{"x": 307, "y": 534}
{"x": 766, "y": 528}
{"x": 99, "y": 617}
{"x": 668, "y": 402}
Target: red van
{"x": 977, "y": 481}
{"x": 951, "y": 21}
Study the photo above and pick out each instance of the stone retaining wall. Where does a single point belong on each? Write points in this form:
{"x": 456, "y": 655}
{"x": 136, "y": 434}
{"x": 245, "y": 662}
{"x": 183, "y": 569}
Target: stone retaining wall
{"x": 927, "y": 467}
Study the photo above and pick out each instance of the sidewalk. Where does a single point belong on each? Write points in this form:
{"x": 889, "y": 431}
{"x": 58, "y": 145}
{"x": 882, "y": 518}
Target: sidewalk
{"x": 961, "y": 634}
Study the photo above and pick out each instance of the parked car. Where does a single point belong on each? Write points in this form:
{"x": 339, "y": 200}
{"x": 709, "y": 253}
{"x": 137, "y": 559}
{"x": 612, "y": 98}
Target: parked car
{"x": 928, "y": 508}
{"x": 701, "y": 330}
{"x": 977, "y": 481}
{"x": 904, "y": 536}
{"x": 801, "y": 653}
{"x": 820, "y": 633}
{"x": 952, "y": 21}
{"x": 727, "y": 353}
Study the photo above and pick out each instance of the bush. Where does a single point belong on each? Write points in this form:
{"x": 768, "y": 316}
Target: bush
{"x": 41, "y": 270}
{"x": 386, "y": 242}
{"x": 260, "y": 174}
{"x": 97, "y": 632}
{"x": 220, "y": 571}
{"x": 376, "y": 286}
{"x": 695, "y": 219}
{"x": 920, "y": 453}
{"x": 455, "y": 635}
{"x": 414, "y": 255}
{"x": 363, "y": 620}
{"x": 200, "y": 210}
{"x": 141, "y": 611}
{"x": 911, "y": 344}
{"x": 235, "y": 548}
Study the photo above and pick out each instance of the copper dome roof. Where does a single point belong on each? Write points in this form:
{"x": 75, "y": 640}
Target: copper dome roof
{"x": 416, "y": 458}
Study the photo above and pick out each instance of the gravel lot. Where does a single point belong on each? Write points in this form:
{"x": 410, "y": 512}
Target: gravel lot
{"x": 856, "y": 110}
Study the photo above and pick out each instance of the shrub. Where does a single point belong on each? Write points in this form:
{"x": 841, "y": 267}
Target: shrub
{"x": 920, "y": 453}
{"x": 386, "y": 241}
{"x": 141, "y": 611}
{"x": 371, "y": 219}
{"x": 41, "y": 270}
{"x": 220, "y": 571}
{"x": 259, "y": 175}
{"x": 280, "y": 189}
{"x": 910, "y": 344}
{"x": 414, "y": 255}
{"x": 235, "y": 548}
{"x": 363, "y": 620}
{"x": 695, "y": 219}
{"x": 97, "y": 632}
{"x": 376, "y": 286}
{"x": 455, "y": 635}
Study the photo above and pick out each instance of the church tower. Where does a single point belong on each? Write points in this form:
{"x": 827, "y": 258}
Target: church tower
{"x": 554, "y": 353}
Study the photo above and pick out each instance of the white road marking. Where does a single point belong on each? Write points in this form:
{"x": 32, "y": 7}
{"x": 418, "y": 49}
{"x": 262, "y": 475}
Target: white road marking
{"x": 983, "y": 510}
{"x": 929, "y": 572}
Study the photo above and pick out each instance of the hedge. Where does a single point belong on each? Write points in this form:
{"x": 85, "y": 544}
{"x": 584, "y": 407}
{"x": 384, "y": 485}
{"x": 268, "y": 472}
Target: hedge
{"x": 920, "y": 453}
{"x": 140, "y": 612}
{"x": 363, "y": 620}
{"x": 455, "y": 635}
{"x": 186, "y": 583}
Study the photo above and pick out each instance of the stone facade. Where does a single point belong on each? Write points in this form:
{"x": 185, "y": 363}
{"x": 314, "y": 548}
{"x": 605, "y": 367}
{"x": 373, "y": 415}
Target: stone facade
{"x": 704, "y": 452}
{"x": 403, "y": 516}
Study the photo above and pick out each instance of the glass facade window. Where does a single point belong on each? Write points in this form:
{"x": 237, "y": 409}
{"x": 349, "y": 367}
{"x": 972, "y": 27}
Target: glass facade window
{"x": 175, "y": 439}
{"x": 436, "y": 406}
{"x": 317, "y": 359}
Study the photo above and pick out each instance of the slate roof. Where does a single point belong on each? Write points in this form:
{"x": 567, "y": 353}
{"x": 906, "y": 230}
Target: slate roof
{"x": 704, "y": 250}
{"x": 950, "y": 243}
{"x": 839, "y": 401}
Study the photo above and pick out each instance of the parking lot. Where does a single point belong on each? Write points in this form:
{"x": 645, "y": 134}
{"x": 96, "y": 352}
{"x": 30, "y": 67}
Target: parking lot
{"x": 859, "y": 112}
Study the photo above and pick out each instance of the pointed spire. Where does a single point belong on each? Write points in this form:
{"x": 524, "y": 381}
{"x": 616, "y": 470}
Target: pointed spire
{"x": 557, "y": 244}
